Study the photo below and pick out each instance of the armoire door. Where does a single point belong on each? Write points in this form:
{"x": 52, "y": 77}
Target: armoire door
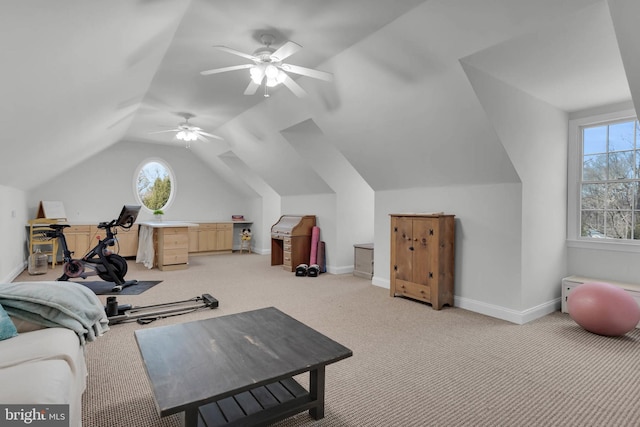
{"x": 425, "y": 251}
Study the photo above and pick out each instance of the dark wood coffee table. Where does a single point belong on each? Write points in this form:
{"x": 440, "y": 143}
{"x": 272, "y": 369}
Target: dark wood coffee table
{"x": 238, "y": 369}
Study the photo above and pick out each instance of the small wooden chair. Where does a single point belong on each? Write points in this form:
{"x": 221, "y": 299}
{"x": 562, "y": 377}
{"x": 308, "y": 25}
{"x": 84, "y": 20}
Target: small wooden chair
{"x": 245, "y": 241}
{"x": 37, "y": 227}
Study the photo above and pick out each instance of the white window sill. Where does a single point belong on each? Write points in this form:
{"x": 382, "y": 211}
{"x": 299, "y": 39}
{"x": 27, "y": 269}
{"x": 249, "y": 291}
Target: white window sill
{"x": 605, "y": 245}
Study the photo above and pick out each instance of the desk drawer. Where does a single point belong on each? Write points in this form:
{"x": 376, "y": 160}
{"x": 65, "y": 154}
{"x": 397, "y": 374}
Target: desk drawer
{"x": 168, "y": 231}
{"x": 176, "y": 241}
{"x": 207, "y": 226}
{"x": 286, "y": 259}
{"x": 174, "y": 256}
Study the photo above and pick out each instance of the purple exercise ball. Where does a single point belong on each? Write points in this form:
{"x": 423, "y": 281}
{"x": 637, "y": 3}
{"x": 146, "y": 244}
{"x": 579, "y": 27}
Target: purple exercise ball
{"x": 603, "y": 308}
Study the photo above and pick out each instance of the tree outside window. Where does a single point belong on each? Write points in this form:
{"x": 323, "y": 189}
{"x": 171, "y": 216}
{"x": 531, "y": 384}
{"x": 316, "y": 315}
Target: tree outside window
{"x": 153, "y": 185}
{"x": 609, "y": 190}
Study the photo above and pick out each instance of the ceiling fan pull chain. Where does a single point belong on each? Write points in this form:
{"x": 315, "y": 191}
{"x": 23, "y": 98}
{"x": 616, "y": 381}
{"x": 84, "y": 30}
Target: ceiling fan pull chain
{"x": 266, "y": 91}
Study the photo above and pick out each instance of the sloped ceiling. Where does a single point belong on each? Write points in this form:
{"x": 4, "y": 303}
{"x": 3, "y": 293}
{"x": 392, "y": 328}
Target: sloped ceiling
{"x": 80, "y": 76}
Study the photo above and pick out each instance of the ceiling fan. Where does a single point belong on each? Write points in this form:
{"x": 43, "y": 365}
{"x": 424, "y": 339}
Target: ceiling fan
{"x": 268, "y": 67}
{"x": 187, "y": 132}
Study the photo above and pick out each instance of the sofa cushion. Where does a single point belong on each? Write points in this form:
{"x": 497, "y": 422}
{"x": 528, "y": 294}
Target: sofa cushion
{"x": 45, "y": 381}
{"x": 7, "y": 328}
{"x": 44, "y": 366}
{"x": 43, "y": 344}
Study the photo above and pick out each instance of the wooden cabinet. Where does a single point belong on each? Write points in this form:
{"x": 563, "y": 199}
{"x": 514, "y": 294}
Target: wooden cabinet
{"x": 211, "y": 237}
{"x": 127, "y": 239}
{"x": 194, "y": 233}
{"x": 172, "y": 247}
{"x": 127, "y": 244}
{"x": 79, "y": 239}
{"x": 224, "y": 236}
{"x": 422, "y": 257}
{"x": 207, "y": 237}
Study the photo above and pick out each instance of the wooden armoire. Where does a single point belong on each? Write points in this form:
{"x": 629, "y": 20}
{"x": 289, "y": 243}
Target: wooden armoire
{"x": 422, "y": 257}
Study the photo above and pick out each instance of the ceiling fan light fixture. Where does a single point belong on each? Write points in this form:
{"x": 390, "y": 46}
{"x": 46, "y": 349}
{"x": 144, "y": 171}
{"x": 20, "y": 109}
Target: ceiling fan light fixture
{"x": 257, "y": 74}
{"x": 271, "y": 71}
{"x": 187, "y": 135}
{"x": 274, "y": 75}
{"x": 268, "y": 67}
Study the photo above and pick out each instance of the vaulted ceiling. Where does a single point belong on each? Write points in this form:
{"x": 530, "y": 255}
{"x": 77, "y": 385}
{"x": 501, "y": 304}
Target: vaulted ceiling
{"x": 80, "y": 76}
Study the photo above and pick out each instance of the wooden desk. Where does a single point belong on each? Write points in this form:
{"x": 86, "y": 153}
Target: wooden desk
{"x": 170, "y": 243}
{"x": 237, "y": 368}
{"x": 291, "y": 240}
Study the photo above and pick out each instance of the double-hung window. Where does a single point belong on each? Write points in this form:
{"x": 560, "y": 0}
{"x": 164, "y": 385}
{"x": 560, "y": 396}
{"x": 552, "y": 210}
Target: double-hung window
{"x": 605, "y": 153}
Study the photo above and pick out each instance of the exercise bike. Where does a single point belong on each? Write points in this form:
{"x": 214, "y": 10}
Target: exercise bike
{"x": 101, "y": 260}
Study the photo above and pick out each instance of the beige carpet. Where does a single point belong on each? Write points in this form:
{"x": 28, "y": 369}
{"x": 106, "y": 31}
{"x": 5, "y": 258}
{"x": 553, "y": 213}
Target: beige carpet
{"x": 412, "y": 365}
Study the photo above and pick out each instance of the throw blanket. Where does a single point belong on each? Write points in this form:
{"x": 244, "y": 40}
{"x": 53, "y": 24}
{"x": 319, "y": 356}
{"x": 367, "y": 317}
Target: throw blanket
{"x": 56, "y": 304}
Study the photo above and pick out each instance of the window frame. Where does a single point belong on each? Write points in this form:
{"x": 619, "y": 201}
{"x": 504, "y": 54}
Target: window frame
{"x": 172, "y": 176}
{"x": 574, "y": 175}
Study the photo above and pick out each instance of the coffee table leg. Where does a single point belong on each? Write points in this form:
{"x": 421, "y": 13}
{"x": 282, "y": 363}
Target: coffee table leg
{"x": 191, "y": 417}
{"x": 316, "y": 392}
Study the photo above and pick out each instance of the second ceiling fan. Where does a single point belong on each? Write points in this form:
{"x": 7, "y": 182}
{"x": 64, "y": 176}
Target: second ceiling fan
{"x": 187, "y": 132}
{"x": 268, "y": 67}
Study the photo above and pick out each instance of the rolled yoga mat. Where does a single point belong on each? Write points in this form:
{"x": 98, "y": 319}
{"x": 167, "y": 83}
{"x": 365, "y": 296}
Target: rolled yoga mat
{"x": 315, "y": 237}
{"x": 322, "y": 261}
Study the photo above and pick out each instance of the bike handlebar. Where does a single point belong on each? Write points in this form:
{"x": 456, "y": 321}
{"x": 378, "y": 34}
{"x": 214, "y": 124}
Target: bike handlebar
{"x": 114, "y": 223}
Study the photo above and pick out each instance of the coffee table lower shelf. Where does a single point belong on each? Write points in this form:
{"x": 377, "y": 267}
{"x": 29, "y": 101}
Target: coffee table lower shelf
{"x": 258, "y": 407}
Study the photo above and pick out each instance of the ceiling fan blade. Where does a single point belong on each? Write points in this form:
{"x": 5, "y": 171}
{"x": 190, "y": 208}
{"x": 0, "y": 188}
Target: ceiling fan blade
{"x": 165, "y": 131}
{"x": 202, "y": 138}
{"x": 209, "y": 135}
{"x": 286, "y": 50}
{"x": 294, "y": 87}
{"x": 236, "y": 52}
{"x": 252, "y": 88}
{"x": 303, "y": 71}
{"x": 224, "y": 69}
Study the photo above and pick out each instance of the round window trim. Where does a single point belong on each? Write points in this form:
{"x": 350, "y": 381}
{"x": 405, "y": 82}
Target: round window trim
{"x": 172, "y": 177}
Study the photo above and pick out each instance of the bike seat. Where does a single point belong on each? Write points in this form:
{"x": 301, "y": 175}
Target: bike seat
{"x": 58, "y": 226}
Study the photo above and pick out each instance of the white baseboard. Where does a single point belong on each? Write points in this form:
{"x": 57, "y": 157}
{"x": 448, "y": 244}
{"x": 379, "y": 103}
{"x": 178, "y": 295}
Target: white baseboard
{"x": 510, "y": 315}
{"x": 15, "y": 273}
{"x": 346, "y": 269}
{"x": 255, "y": 250}
{"x": 513, "y": 316}
{"x": 381, "y": 281}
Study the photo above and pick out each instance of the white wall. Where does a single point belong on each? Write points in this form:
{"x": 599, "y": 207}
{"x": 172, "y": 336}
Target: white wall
{"x": 96, "y": 190}
{"x": 13, "y": 221}
{"x": 621, "y": 266}
{"x": 534, "y": 135}
{"x": 488, "y": 251}
{"x": 353, "y": 196}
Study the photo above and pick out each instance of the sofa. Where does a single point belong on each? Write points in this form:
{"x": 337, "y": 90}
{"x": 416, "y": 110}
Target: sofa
{"x": 44, "y": 329}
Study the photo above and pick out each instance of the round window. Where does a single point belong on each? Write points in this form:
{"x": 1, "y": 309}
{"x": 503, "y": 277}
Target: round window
{"x": 154, "y": 184}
